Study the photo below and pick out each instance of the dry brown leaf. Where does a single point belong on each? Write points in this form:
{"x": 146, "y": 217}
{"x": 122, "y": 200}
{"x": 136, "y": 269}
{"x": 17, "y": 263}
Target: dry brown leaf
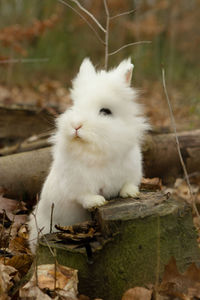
{"x": 21, "y": 262}
{"x": 18, "y": 245}
{"x": 182, "y": 285}
{"x": 181, "y": 190}
{"x": 8, "y": 276}
{"x": 64, "y": 279}
{"x": 23, "y": 232}
{"x": 32, "y": 292}
{"x": 137, "y": 293}
{"x": 152, "y": 184}
{"x": 11, "y": 205}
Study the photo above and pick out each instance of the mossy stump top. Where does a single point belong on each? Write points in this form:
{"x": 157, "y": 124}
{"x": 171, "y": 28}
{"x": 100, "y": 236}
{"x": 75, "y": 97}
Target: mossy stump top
{"x": 138, "y": 237}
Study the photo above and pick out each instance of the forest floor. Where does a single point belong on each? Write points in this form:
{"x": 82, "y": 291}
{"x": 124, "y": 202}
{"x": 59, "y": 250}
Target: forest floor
{"x": 16, "y": 258}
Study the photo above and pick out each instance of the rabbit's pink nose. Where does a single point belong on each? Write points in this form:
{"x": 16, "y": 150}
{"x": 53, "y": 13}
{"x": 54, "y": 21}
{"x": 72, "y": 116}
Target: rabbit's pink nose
{"x": 77, "y": 127}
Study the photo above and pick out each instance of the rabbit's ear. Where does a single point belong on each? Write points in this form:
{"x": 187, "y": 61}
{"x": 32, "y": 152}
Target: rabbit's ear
{"x": 125, "y": 69}
{"x": 86, "y": 67}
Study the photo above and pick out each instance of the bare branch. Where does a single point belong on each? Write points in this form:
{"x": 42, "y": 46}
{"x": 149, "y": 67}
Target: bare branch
{"x": 51, "y": 220}
{"x": 123, "y": 14}
{"x": 55, "y": 269}
{"x": 23, "y": 60}
{"x": 128, "y": 45}
{"x": 178, "y": 144}
{"x": 87, "y": 12}
{"x": 76, "y": 11}
{"x": 106, "y": 33}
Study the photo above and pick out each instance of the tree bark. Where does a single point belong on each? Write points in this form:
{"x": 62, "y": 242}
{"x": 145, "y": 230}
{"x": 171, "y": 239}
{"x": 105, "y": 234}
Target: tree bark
{"x": 161, "y": 157}
{"x": 19, "y": 122}
{"x": 137, "y": 238}
{"x": 23, "y": 173}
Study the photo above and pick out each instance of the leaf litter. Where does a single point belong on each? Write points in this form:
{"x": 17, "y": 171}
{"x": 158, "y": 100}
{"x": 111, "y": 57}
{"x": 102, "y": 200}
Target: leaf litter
{"x": 59, "y": 282}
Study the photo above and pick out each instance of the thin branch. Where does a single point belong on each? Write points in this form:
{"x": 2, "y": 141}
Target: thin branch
{"x": 87, "y": 12}
{"x": 123, "y": 14}
{"x": 106, "y": 33}
{"x": 128, "y": 45}
{"x": 23, "y": 60}
{"x": 158, "y": 257}
{"x": 76, "y": 11}
{"x": 55, "y": 269}
{"x": 178, "y": 144}
{"x": 51, "y": 220}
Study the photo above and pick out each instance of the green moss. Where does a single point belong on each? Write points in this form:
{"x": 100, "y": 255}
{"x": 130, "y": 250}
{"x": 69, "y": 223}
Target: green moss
{"x": 130, "y": 258}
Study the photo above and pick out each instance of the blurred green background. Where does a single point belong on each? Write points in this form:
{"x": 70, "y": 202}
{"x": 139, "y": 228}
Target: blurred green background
{"x": 58, "y": 38}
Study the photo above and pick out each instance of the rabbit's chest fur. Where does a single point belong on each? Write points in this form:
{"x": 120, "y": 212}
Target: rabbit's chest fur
{"x": 69, "y": 180}
{"x": 73, "y": 178}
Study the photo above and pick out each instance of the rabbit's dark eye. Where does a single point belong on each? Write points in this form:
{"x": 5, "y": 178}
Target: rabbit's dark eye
{"x": 105, "y": 111}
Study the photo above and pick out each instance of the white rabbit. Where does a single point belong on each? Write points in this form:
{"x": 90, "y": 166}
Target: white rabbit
{"x": 96, "y": 151}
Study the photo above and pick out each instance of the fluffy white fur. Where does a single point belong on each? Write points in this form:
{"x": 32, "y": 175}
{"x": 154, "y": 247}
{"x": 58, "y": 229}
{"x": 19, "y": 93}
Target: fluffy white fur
{"x": 95, "y": 156}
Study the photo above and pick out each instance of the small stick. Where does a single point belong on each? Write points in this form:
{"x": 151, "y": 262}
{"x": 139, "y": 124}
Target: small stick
{"x": 178, "y": 144}
{"x": 51, "y": 220}
{"x": 23, "y": 60}
{"x": 123, "y": 14}
{"x": 89, "y": 14}
{"x": 158, "y": 257}
{"x": 106, "y": 33}
{"x": 85, "y": 11}
{"x": 55, "y": 269}
{"x": 76, "y": 11}
{"x": 128, "y": 45}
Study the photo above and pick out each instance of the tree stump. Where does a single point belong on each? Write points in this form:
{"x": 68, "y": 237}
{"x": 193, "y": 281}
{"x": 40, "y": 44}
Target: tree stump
{"x": 138, "y": 237}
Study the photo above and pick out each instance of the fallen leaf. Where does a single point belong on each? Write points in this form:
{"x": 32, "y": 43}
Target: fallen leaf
{"x": 60, "y": 279}
{"x": 182, "y": 285}
{"x": 182, "y": 191}
{"x": 21, "y": 262}
{"x": 12, "y": 206}
{"x": 137, "y": 293}
{"x": 82, "y": 232}
{"x": 151, "y": 184}
{"x": 18, "y": 245}
{"x": 4, "y": 219}
{"x": 8, "y": 277}
{"x": 33, "y": 292}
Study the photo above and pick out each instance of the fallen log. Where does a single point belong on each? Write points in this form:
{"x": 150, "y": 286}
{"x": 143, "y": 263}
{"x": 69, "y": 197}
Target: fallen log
{"x": 24, "y": 172}
{"x": 18, "y": 122}
{"x": 161, "y": 157}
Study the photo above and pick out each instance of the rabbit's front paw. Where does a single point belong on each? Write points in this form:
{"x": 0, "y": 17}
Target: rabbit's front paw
{"x": 129, "y": 190}
{"x": 92, "y": 201}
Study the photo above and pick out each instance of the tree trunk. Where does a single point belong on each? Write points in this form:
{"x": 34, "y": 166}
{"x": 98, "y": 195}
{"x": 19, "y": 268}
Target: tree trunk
{"x": 161, "y": 157}
{"x": 137, "y": 239}
{"x": 24, "y": 172}
{"x": 32, "y": 121}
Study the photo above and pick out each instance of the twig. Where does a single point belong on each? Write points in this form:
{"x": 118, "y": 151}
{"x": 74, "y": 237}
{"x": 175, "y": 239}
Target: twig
{"x": 107, "y": 32}
{"x": 76, "y": 11}
{"x": 158, "y": 257}
{"x": 23, "y": 60}
{"x": 51, "y": 220}
{"x": 85, "y": 11}
{"x": 123, "y": 14}
{"x": 89, "y": 14}
{"x": 178, "y": 144}
{"x": 55, "y": 269}
{"x": 128, "y": 45}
